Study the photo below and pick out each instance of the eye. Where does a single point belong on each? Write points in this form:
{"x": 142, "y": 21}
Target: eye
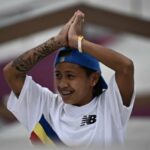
{"x": 58, "y": 75}
{"x": 70, "y": 76}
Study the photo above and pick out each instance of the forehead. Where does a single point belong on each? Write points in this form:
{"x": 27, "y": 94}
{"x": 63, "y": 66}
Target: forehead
{"x": 66, "y": 66}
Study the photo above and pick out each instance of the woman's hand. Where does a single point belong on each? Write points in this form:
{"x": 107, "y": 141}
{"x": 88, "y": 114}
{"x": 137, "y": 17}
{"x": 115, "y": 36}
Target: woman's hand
{"x": 62, "y": 36}
{"x": 75, "y": 29}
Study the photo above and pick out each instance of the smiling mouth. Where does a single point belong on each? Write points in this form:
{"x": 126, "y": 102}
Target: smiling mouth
{"x": 66, "y": 93}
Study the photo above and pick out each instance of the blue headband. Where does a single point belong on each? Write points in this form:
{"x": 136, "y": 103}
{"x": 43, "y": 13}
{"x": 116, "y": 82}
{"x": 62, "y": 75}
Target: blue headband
{"x": 82, "y": 59}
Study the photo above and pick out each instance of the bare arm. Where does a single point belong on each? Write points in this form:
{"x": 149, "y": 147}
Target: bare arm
{"x": 123, "y": 66}
{"x": 15, "y": 72}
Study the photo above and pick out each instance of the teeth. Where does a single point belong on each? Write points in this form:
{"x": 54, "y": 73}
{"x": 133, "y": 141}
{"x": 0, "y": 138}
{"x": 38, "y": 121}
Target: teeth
{"x": 66, "y": 92}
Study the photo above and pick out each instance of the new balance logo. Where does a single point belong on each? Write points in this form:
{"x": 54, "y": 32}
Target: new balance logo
{"x": 86, "y": 120}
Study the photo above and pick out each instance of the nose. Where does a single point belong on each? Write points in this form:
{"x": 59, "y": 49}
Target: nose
{"x": 63, "y": 83}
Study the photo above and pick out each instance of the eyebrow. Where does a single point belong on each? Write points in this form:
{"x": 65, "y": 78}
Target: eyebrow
{"x": 57, "y": 71}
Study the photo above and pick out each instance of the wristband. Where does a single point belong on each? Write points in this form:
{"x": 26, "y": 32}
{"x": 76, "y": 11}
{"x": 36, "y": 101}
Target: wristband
{"x": 80, "y": 38}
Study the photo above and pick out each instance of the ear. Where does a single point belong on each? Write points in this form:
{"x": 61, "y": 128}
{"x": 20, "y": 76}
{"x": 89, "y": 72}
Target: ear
{"x": 94, "y": 78}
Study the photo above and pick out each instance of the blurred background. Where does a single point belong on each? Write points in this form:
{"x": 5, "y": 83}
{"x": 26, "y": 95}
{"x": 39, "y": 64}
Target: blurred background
{"x": 122, "y": 25}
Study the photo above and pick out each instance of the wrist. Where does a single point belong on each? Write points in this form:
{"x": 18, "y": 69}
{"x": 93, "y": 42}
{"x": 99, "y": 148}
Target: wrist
{"x": 58, "y": 39}
{"x": 55, "y": 43}
{"x": 73, "y": 42}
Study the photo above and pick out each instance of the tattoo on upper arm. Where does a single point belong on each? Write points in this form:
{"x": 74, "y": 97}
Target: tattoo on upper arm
{"x": 27, "y": 60}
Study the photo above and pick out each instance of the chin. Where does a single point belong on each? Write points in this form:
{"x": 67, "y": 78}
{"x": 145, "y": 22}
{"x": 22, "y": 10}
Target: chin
{"x": 66, "y": 100}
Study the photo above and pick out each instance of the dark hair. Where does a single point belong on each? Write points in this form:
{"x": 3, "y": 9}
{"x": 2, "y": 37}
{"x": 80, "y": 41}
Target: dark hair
{"x": 97, "y": 90}
{"x": 65, "y": 53}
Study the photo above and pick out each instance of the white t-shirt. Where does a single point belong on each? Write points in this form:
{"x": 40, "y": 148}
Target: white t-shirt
{"x": 101, "y": 122}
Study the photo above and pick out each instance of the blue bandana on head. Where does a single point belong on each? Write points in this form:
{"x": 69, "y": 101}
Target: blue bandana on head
{"x": 82, "y": 59}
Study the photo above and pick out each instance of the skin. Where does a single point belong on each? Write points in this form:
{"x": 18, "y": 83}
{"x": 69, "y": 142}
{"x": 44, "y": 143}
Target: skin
{"x": 123, "y": 66}
{"x": 16, "y": 70}
{"x": 73, "y": 83}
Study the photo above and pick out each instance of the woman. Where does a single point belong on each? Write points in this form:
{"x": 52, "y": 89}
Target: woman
{"x": 85, "y": 112}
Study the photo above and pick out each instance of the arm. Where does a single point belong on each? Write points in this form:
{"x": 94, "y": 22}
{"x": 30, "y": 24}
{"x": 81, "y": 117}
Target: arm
{"x": 15, "y": 72}
{"x": 123, "y": 66}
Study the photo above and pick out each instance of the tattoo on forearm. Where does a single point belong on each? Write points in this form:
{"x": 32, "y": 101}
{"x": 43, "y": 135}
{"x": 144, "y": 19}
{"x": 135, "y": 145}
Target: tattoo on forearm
{"x": 27, "y": 60}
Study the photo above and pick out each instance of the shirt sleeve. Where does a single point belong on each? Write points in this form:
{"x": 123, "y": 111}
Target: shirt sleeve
{"x": 28, "y": 107}
{"x": 120, "y": 113}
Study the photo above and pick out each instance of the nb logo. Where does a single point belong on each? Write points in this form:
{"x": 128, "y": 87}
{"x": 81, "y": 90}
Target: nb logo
{"x": 86, "y": 120}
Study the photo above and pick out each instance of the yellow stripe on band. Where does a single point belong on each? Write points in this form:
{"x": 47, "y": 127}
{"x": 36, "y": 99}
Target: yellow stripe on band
{"x": 42, "y": 135}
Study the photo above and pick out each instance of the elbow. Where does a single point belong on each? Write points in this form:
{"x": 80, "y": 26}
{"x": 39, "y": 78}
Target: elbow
{"x": 11, "y": 74}
{"x": 7, "y": 73}
{"x": 14, "y": 79}
{"x": 128, "y": 67}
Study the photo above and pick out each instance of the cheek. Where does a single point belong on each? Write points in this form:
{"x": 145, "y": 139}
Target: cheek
{"x": 74, "y": 84}
{"x": 81, "y": 85}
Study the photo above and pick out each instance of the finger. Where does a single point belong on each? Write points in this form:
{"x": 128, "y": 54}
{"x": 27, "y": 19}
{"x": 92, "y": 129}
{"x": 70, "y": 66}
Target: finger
{"x": 78, "y": 19}
{"x": 72, "y": 18}
{"x": 80, "y": 13}
{"x": 81, "y": 26}
{"x": 78, "y": 16}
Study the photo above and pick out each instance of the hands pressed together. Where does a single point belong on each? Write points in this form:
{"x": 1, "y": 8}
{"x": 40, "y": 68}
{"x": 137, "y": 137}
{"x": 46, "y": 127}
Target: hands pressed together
{"x": 68, "y": 36}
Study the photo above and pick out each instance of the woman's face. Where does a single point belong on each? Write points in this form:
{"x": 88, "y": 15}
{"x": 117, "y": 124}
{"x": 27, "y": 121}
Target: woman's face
{"x": 73, "y": 84}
